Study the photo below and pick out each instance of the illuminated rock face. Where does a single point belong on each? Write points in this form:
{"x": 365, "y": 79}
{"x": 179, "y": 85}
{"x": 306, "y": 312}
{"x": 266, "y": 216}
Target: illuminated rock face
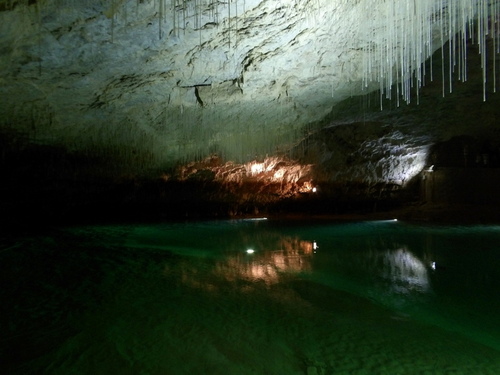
{"x": 134, "y": 87}
{"x": 175, "y": 82}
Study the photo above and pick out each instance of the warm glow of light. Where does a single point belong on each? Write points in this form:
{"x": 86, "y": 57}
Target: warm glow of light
{"x": 279, "y": 174}
{"x": 257, "y": 168}
{"x": 291, "y": 254}
{"x": 307, "y": 187}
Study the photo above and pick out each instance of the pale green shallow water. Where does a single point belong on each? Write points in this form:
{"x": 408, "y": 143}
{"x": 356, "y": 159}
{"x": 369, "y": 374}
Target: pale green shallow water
{"x": 314, "y": 298}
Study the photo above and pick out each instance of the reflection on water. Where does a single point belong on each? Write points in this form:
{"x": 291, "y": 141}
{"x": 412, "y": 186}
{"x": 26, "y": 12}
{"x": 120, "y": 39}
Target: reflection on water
{"x": 310, "y": 299}
{"x": 293, "y": 255}
{"x": 403, "y": 271}
{"x": 398, "y": 271}
{"x": 268, "y": 264}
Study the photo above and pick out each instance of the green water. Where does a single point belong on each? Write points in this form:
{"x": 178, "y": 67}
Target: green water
{"x": 312, "y": 298}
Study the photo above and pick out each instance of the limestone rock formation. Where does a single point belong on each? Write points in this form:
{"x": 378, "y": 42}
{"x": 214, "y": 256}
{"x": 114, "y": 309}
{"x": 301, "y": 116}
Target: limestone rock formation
{"x": 172, "y": 81}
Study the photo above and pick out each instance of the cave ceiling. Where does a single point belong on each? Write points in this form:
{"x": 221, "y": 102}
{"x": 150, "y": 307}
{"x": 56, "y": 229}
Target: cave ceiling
{"x": 162, "y": 82}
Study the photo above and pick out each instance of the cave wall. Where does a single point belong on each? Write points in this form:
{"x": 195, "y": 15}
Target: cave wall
{"x": 372, "y": 140}
{"x": 462, "y": 186}
{"x": 104, "y": 103}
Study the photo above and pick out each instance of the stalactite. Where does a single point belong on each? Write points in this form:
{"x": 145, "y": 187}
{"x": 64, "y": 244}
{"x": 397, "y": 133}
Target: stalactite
{"x": 215, "y": 11}
{"x": 494, "y": 32}
{"x": 400, "y": 46}
{"x": 174, "y": 23}
{"x": 229, "y": 22}
{"x": 184, "y": 8}
{"x": 199, "y": 12}
{"x": 160, "y": 17}
{"x": 441, "y": 27}
{"x": 236, "y": 24}
{"x": 113, "y": 9}
{"x": 38, "y": 13}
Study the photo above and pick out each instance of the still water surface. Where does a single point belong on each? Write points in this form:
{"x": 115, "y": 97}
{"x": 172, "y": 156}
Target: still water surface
{"x": 252, "y": 297}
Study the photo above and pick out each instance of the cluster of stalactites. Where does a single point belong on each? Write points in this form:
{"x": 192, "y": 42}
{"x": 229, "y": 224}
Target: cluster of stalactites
{"x": 405, "y": 33}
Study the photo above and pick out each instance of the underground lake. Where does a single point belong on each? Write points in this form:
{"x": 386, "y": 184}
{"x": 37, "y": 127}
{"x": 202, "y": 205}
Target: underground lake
{"x": 252, "y": 296}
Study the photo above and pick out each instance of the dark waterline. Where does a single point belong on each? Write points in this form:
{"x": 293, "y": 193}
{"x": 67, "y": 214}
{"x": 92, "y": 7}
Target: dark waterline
{"x": 378, "y": 297}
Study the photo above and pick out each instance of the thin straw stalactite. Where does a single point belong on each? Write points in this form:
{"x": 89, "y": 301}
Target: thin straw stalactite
{"x": 399, "y": 45}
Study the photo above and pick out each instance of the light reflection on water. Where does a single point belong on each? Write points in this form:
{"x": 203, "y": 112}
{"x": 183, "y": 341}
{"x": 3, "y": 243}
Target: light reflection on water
{"x": 374, "y": 297}
{"x": 393, "y": 264}
{"x": 284, "y": 256}
{"x": 402, "y": 271}
{"x": 395, "y": 271}
{"x": 409, "y": 269}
